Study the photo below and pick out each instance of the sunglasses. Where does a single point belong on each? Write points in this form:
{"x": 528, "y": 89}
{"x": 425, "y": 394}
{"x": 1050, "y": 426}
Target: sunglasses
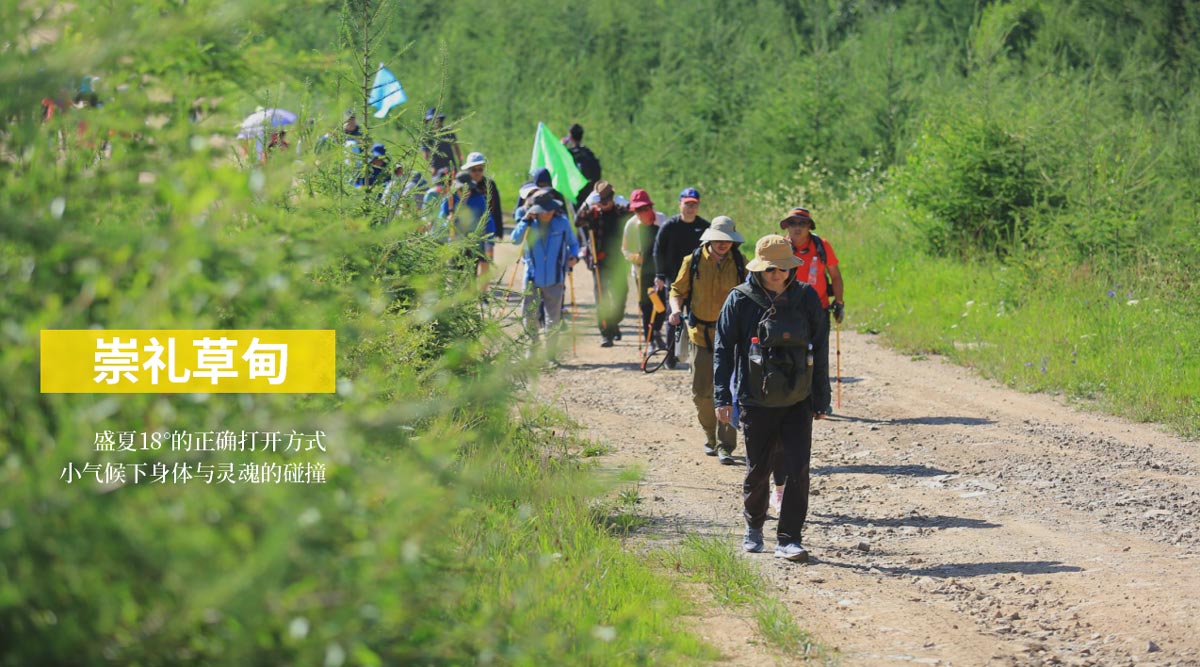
{"x": 476, "y": 170}
{"x": 773, "y": 269}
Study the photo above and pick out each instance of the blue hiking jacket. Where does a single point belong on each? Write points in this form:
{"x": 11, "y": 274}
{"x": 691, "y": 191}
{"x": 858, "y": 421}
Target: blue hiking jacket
{"x": 546, "y": 250}
{"x": 471, "y": 216}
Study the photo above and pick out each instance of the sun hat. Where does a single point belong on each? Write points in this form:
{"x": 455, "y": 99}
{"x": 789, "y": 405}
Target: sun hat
{"x": 379, "y": 150}
{"x": 542, "y": 175}
{"x": 527, "y": 190}
{"x": 433, "y": 113}
{"x": 543, "y": 204}
{"x": 639, "y": 198}
{"x": 773, "y": 250}
{"x": 689, "y": 194}
{"x": 604, "y": 190}
{"x": 722, "y": 228}
{"x": 797, "y": 214}
{"x": 474, "y": 160}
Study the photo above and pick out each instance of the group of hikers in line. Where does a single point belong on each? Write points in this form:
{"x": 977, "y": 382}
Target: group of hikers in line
{"x": 758, "y": 330}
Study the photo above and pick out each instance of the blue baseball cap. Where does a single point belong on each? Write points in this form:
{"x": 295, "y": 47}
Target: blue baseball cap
{"x": 378, "y": 149}
{"x": 689, "y": 194}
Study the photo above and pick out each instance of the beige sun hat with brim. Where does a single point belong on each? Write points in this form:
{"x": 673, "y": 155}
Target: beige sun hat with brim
{"x": 773, "y": 250}
{"x": 722, "y": 229}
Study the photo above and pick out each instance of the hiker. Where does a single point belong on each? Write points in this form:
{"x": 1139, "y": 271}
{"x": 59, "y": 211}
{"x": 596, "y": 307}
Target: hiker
{"x": 350, "y": 128}
{"x": 819, "y": 268}
{"x": 637, "y": 246}
{"x": 770, "y": 340}
{"x": 377, "y": 168}
{"x": 465, "y": 210}
{"x": 678, "y": 238}
{"x": 541, "y": 179}
{"x": 439, "y": 146}
{"x": 699, "y": 291}
{"x": 585, "y": 160}
{"x": 277, "y": 142}
{"x": 600, "y": 223}
{"x": 474, "y": 167}
{"x": 550, "y": 253}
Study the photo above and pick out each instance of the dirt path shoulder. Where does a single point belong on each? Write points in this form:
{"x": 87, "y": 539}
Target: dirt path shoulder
{"x": 952, "y": 522}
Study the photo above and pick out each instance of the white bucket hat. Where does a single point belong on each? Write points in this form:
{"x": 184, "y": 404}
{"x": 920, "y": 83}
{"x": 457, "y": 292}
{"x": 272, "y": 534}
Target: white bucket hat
{"x": 722, "y": 229}
{"x": 474, "y": 160}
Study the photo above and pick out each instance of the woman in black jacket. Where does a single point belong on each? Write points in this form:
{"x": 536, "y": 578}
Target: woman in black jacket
{"x": 770, "y": 341}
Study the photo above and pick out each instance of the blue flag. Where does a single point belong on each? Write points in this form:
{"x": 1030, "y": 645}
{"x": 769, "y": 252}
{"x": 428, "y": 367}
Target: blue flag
{"x": 386, "y": 93}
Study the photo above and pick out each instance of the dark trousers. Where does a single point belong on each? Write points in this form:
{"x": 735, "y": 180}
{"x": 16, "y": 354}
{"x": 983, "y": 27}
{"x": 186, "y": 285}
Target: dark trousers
{"x": 791, "y": 428}
{"x": 779, "y": 474}
{"x": 611, "y": 293}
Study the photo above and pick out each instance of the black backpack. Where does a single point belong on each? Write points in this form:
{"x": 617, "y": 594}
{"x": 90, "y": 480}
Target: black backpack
{"x": 586, "y": 160}
{"x": 784, "y": 377}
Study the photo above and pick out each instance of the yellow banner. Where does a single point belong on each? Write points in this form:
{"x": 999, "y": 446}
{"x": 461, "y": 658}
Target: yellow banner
{"x": 170, "y": 361}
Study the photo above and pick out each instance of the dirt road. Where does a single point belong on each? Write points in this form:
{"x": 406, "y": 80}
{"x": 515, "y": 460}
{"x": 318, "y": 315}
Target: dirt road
{"x": 953, "y": 521}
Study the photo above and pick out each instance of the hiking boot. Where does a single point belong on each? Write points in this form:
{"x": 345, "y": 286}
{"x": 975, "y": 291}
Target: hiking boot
{"x": 672, "y": 362}
{"x": 606, "y": 341}
{"x": 617, "y": 335}
{"x": 752, "y": 542}
{"x": 726, "y": 458}
{"x": 791, "y": 551}
{"x": 710, "y": 449}
{"x": 777, "y": 499}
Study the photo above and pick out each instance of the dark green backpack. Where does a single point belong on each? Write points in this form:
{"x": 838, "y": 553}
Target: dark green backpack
{"x": 785, "y": 375}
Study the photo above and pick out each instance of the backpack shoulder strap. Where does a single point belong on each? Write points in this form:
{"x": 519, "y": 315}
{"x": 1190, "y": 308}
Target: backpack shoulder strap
{"x": 739, "y": 262}
{"x": 696, "y": 257}
{"x": 820, "y": 246}
{"x": 749, "y": 292}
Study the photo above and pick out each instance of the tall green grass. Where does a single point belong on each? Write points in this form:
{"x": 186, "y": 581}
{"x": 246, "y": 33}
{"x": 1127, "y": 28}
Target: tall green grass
{"x": 1114, "y": 332}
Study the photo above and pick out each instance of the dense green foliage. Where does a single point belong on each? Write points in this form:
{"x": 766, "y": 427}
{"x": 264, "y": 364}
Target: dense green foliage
{"x": 1040, "y": 144}
{"x": 452, "y": 529}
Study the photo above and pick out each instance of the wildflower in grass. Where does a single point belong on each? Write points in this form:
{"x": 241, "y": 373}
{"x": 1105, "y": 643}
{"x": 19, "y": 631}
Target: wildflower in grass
{"x": 1111, "y": 293}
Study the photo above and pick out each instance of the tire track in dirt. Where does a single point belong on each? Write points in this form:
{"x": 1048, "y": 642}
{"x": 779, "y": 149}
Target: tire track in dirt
{"x": 953, "y": 521}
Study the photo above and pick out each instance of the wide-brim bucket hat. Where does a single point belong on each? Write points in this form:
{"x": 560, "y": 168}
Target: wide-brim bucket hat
{"x": 775, "y": 251}
{"x": 722, "y": 228}
{"x": 474, "y": 160}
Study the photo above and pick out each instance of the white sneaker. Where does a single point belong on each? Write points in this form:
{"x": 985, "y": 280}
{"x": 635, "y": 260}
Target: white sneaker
{"x": 777, "y": 500}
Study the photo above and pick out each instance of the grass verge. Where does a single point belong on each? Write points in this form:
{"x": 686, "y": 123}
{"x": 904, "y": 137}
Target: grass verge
{"x": 735, "y": 584}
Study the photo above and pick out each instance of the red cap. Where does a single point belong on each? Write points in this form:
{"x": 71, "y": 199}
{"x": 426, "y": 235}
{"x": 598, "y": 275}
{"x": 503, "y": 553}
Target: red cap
{"x": 638, "y": 199}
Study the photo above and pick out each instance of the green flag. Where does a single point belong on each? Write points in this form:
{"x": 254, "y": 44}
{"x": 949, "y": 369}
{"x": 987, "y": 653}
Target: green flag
{"x": 549, "y": 152}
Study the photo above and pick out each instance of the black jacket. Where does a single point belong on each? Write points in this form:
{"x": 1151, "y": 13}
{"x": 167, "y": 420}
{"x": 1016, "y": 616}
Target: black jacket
{"x": 737, "y": 325}
{"x": 608, "y": 227}
{"x": 676, "y": 240}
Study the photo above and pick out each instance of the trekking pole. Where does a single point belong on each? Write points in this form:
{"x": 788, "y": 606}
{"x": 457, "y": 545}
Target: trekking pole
{"x": 839, "y": 365}
{"x": 641, "y": 348}
{"x": 571, "y": 280}
{"x": 520, "y": 258}
{"x": 596, "y": 275}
